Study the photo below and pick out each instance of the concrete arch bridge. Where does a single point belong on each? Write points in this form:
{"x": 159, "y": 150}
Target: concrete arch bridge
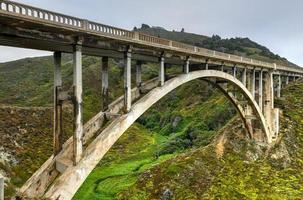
{"x": 249, "y": 84}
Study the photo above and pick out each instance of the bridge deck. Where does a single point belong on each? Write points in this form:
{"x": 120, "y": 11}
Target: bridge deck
{"x": 29, "y": 27}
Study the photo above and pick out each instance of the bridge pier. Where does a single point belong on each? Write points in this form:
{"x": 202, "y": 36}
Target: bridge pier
{"x": 104, "y": 77}
{"x": 58, "y": 137}
{"x": 186, "y": 66}
{"x": 260, "y": 89}
{"x": 77, "y": 100}
{"x": 206, "y": 65}
{"x": 161, "y": 71}
{"x": 1, "y": 187}
{"x": 279, "y": 86}
{"x": 139, "y": 74}
{"x": 253, "y": 83}
{"x": 235, "y": 71}
{"x": 244, "y": 73}
{"x": 127, "y": 81}
{"x": 287, "y": 80}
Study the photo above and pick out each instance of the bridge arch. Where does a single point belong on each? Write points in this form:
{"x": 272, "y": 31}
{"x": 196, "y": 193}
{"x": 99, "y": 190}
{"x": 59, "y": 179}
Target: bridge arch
{"x": 71, "y": 180}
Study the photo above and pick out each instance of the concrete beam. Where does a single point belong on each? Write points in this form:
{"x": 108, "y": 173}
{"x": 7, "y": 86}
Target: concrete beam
{"x": 77, "y": 100}
{"x": 127, "y": 81}
{"x": 104, "y": 77}
{"x": 161, "y": 72}
{"x": 57, "y": 134}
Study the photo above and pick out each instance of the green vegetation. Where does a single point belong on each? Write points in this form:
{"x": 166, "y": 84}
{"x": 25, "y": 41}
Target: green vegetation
{"x": 245, "y": 170}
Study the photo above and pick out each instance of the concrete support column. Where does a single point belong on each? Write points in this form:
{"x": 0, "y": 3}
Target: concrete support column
{"x": 58, "y": 137}
{"x": 127, "y": 81}
{"x": 253, "y": 83}
{"x": 235, "y": 71}
{"x": 161, "y": 71}
{"x": 104, "y": 76}
{"x": 261, "y": 90}
{"x": 222, "y": 67}
{"x": 244, "y": 72}
{"x": 186, "y": 66}
{"x": 77, "y": 100}
{"x": 139, "y": 74}
{"x": 287, "y": 79}
{"x": 268, "y": 98}
{"x": 206, "y": 65}
{"x": 1, "y": 187}
{"x": 279, "y": 86}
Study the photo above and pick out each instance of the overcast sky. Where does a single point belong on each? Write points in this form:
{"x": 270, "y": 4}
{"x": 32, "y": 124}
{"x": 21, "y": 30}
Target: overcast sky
{"x": 276, "y": 24}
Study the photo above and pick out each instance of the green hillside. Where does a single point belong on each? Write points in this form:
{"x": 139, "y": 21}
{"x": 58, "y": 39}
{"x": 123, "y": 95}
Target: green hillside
{"x": 238, "y": 46}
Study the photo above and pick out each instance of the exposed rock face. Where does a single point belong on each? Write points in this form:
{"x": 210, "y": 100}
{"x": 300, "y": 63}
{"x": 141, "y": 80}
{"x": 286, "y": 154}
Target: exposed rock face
{"x": 167, "y": 195}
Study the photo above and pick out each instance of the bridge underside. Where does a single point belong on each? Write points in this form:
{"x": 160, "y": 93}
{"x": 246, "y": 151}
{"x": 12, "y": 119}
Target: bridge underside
{"x": 70, "y": 177}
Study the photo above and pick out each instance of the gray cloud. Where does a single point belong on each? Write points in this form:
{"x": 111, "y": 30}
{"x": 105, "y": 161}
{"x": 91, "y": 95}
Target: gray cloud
{"x": 275, "y": 24}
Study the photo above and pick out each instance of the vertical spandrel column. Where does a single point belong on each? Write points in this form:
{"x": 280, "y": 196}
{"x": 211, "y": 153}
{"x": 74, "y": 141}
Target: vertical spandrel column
{"x": 58, "y": 137}
{"x": 77, "y": 100}
{"x": 253, "y": 83}
{"x": 279, "y": 86}
{"x": 127, "y": 81}
{"x": 261, "y": 89}
{"x": 244, "y": 72}
{"x": 162, "y": 71}
{"x": 104, "y": 77}
{"x": 139, "y": 74}
{"x": 186, "y": 66}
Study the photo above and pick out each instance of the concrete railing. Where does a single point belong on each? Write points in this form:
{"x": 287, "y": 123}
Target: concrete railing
{"x": 37, "y": 14}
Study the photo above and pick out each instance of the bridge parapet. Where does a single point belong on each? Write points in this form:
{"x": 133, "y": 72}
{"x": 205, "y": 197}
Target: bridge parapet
{"x": 33, "y": 14}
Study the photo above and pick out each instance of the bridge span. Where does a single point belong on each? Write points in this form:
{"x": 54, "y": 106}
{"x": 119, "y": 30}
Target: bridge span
{"x": 251, "y": 86}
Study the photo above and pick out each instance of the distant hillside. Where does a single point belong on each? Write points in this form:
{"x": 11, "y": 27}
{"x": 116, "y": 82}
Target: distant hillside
{"x": 238, "y": 46}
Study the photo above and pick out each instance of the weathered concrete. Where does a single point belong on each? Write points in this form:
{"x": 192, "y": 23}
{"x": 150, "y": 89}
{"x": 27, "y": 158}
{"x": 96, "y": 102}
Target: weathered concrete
{"x": 162, "y": 71}
{"x": 69, "y": 182}
{"x": 78, "y": 114}
{"x": 235, "y": 71}
{"x": 138, "y": 74}
{"x": 1, "y": 187}
{"x": 287, "y": 80}
{"x": 268, "y": 99}
{"x": 58, "y": 137}
{"x": 127, "y": 81}
{"x": 253, "y": 83}
{"x": 244, "y": 73}
{"x": 260, "y": 86}
{"x": 104, "y": 79}
{"x": 279, "y": 86}
{"x": 186, "y": 66}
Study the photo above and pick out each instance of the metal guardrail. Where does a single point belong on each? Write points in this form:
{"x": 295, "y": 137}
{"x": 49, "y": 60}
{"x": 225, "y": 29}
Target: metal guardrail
{"x": 34, "y": 13}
